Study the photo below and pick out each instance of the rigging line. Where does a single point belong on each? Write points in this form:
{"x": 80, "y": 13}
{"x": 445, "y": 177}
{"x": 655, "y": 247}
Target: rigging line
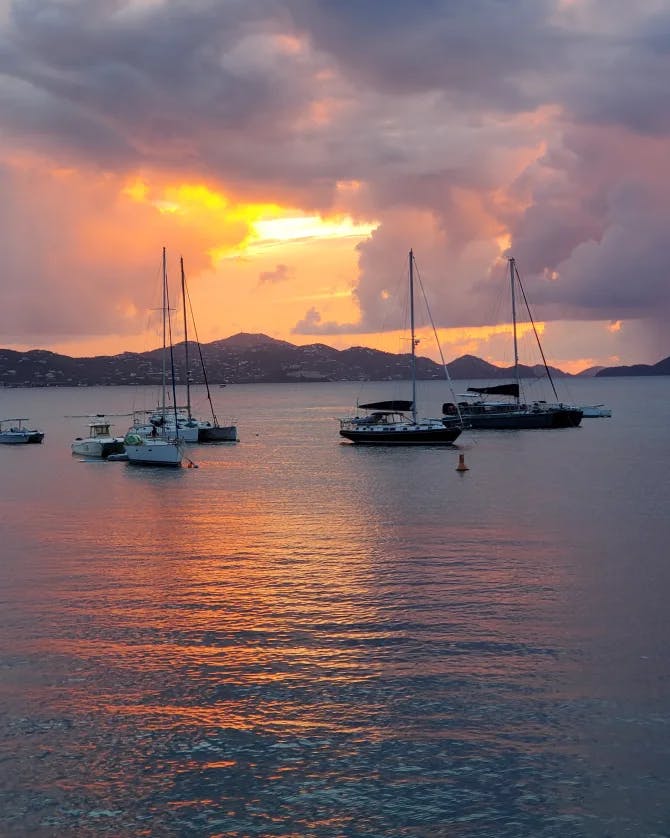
{"x": 439, "y": 347}
{"x": 393, "y": 289}
{"x": 197, "y": 340}
{"x": 537, "y": 337}
{"x": 186, "y": 358}
{"x": 174, "y": 386}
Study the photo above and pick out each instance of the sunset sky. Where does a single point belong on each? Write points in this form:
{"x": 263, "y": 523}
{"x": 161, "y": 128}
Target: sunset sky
{"x": 293, "y": 151}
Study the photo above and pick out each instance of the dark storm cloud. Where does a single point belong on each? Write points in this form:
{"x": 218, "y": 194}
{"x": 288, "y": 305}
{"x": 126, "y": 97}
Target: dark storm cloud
{"x": 618, "y": 75}
{"x": 174, "y": 83}
{"x": 198, "y": 84}
{"x": 474, "y": 51}
{"x": 592, "y": 239}
{"x": 464, "y": 122}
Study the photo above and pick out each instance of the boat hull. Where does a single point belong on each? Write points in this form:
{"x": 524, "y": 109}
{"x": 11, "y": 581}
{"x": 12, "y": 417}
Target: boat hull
{"x": 595, "y": 412}
{"x": 189, "y": 433}
{"x": 144, "y": 452}
{"x": 407, "y": 436}
{"x": 21, "y": 437}
{"x": 217, "y": 433}
{"x": 9, "y": 438}
{"x": 522, "y": 420}
{"x": 101, "y": 448}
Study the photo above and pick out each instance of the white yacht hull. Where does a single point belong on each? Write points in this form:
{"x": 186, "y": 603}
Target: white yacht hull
{"x": 20, "y": 436}
{"x": 156, "y": 452}
{"x": 189, "y": 433}
{"x": 595, "y": 411}
{"x": 97, "y": 447}
{"x": 14, "y": 438}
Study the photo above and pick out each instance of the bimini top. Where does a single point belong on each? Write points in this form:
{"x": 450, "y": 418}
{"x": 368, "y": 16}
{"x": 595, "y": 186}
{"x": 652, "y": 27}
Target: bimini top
{"x": 497, "y": 390}
{"x": 393, "y": 406}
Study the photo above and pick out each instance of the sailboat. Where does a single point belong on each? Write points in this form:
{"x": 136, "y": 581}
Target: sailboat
{"x": 206, "y": 431}
{"x": 513, "y": 413}
{"x": 162, "y": 447}
{"x": 396, "y": 422}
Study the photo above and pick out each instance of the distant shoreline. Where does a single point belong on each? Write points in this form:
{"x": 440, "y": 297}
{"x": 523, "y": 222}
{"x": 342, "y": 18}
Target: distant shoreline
{"x": 259, "y": 359}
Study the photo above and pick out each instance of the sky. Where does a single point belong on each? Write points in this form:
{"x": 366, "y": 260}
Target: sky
{"x": 294, "y": 151}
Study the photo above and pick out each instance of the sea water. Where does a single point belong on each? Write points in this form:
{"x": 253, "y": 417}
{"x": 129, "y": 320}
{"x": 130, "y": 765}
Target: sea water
{"x": 302, "y": 637}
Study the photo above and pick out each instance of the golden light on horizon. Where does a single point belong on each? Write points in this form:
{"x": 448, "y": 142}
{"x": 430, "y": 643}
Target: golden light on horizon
{"x": 324, "y": 295}
{"x": 137, "y": 191}
{"x": 255, "y": 225}
{"x": 309, "y": 227}
{"x": 197, "y": 199}
{"x": 454, "y": 342}
{"x": 575, "y": 366}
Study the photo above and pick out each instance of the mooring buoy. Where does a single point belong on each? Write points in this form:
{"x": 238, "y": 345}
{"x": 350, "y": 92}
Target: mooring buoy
{"x": 461, "y": 463}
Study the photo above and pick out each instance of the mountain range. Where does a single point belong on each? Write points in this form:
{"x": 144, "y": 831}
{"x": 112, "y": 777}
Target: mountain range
{"x": 246, "y": 358}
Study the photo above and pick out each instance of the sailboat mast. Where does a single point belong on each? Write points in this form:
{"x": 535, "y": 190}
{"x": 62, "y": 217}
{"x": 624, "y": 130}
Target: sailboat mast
{"x": 164, "y": 372}
{"x": 413, "y": 339}
{"x": 516, "y": 345}
{"x": 173, "y": 377}
{"x": 537, "y": 337}
{"x": 188, "y": 368}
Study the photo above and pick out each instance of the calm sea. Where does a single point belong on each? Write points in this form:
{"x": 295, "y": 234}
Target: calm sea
{"x": 305, "y": 638}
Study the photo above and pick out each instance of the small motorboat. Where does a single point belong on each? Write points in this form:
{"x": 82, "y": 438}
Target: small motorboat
{"x": 16, "y": 434}
{"x": 595, "y": 411}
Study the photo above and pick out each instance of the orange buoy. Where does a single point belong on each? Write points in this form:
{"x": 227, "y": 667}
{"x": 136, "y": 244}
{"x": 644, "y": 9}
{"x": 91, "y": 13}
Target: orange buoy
{"x": 461, "y": 463}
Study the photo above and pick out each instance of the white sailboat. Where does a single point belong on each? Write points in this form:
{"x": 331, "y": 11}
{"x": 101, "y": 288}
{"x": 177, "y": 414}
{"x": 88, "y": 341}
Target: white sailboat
{"x": 179, "y": 421}
{"x": 145, "y": 451}
{"x": 207, "y": 431}
{"x": 163, "y": 448}
{"x": 479, "y": 412}
{"x": 396, "y": 422}
{"x": 172, "y": 422}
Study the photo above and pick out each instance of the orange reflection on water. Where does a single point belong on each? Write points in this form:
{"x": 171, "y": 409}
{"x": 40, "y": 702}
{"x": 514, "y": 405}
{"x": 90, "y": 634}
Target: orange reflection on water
{"x": 247, "y": 598}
